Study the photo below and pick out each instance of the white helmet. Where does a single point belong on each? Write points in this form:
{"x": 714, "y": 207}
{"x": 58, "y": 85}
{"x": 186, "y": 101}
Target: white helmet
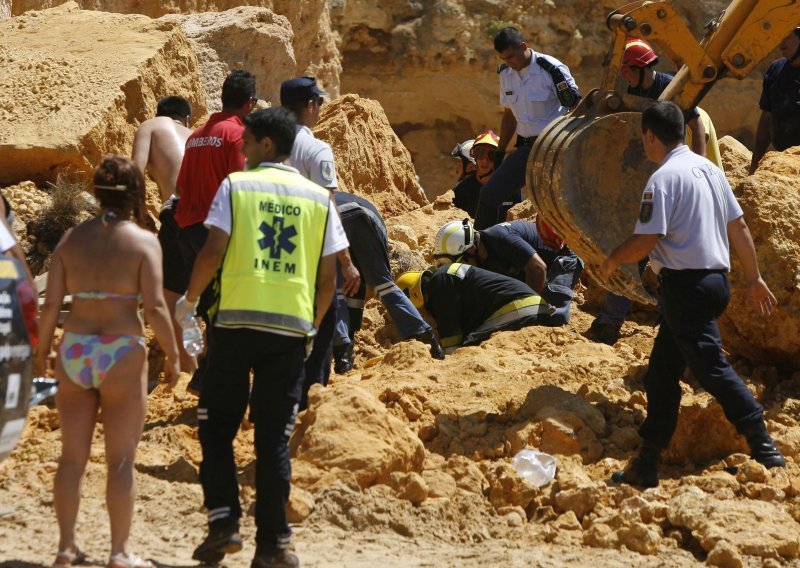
{"x": 452, "y": 241}
{"x": 463, "y": 151}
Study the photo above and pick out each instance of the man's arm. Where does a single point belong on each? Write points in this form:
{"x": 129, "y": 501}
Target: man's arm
{"x": 535, "y": 273}
{"x": 758, "y": 293}
{"x": 508, "y": 126}
{"x": 141, "y": 147}
{"x": 326, "y": 287}
{"x": 207, "y": 263}
{"x": 698, "y": 136}
{"x": 634, "y": 249}
{"x": 762, "y": 140}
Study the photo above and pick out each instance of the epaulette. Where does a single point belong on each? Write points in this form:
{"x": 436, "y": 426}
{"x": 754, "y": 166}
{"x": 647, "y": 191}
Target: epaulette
{"x": 501, "y": 67}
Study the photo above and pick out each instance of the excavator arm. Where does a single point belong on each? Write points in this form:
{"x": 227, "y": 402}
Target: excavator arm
{"x": 587, "y": 169}
{"x": 737, "y": 41}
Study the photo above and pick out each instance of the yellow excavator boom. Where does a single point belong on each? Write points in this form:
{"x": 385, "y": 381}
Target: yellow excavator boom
{"x": 587, "y": 169}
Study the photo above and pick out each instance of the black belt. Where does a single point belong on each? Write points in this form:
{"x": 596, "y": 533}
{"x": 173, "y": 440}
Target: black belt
{"x": 523, "y": 141}
{"x": 690, "y": 272}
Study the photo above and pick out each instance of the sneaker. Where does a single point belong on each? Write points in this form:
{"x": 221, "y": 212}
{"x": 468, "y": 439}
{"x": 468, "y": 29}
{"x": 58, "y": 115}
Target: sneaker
{"x": 342, "y": 358}
{"x": 218, "y": 543}
{"x": 275, "y": 558}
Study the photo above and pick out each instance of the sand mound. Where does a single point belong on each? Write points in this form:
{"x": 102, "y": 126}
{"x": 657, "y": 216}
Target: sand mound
{"x": 71, "y": 91}
{"x": 370, "y": 159}
{"x": 771, "y": 200}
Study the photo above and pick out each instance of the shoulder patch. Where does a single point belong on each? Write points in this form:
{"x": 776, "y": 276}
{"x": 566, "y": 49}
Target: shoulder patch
{"x": 646, "y": 211}
{"x": 501, "y": 68}
{"x": 326, "y": 170}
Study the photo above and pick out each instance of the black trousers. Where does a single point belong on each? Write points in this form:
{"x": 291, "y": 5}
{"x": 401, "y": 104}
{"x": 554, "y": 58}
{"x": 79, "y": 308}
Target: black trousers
{"x": 318, "y": 365}
{"x": 277, "y": 365}
{"x": 691, "y": 300}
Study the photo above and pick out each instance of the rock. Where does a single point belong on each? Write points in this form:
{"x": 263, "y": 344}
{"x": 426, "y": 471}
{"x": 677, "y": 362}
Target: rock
{"x": 403, "y": 234}
{"x": 506, "y": 488}
{"x": 768, "y": 197}
{"x": 751, "y": 472}
{"x": 249, "y": 38}
{"x": 359, "y": 132}
{"x": 701, "y": 417}
{"x": 349, "y": 429}
{"x": 467, "y": 475}
{"x": 410, "y": 487}
{"x": 300, "y": 505}
{"x": 753, "y": 527}
{"x": 735, "y": 158}
{"x": 579, "y": 501}
{"x": 569, "y": 424}
{"x": 314, "y": 42}
{"x": 440, "y": 483}
{"x": 70, "y": 92}
{"x": 725, "y": 555}
{"x": 640, "y": 538}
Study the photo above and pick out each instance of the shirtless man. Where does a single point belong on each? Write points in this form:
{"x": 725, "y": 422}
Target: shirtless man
{"x": 158, "y": 147}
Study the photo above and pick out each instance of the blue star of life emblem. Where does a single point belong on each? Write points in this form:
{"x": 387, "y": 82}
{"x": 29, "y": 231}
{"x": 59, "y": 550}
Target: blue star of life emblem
{"x": 277, "y": 237}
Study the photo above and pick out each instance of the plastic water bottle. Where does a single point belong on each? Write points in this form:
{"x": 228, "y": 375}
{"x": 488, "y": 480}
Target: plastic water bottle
{"x": 537, "y": 468}
{"x": 193, "y": 342}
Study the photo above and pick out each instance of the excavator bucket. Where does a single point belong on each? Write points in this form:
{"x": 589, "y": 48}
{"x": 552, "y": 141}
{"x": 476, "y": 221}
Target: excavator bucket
{"x": 586, "y": 174}
{"x": 587, "y": 170}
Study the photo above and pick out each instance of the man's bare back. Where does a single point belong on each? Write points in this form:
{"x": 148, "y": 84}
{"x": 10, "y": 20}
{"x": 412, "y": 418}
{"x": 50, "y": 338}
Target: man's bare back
{"x": 159, "y": 145}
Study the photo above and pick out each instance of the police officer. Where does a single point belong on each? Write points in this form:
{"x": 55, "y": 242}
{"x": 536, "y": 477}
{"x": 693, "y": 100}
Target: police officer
{"x": 520, "y": 249}
{"x": 274, "y": 236}
{"x": 688, "y": 215}
{"x": 780, "y": 102}
{"x": 313, "y": 158}
{"x": 369, "y": 247}
{"x": 638, "y": 69}
{"x": 470, "y": 303}
{"x": 535, "y": 89}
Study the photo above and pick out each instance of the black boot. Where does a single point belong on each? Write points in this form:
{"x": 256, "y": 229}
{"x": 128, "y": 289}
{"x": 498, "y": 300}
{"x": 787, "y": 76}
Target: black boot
{"x": 275, "y": 558}
{"x": 762, "y": 448}
{"x": 604, "y": 332}
{"x": 643, "y": 470}
{"x": 342, "y": 358}
{"x": 429, "y": 338}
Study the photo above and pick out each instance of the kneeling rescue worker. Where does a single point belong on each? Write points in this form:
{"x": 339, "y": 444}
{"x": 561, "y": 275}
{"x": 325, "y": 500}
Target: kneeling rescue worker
{"x": 520, "y": 249}
{"x": 469, "y": 303}
{"x": 274, "y": 235}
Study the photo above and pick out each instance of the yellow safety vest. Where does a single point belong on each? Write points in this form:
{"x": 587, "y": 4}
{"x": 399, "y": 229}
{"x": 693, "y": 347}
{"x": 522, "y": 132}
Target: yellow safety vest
{"x": 268, "y": 277}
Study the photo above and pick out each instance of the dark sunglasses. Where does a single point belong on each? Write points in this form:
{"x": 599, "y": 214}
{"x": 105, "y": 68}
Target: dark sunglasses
{"x": 483, "y": 153}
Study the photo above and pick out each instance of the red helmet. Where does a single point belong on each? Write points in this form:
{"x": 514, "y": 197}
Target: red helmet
{"x": 638, "y": 53}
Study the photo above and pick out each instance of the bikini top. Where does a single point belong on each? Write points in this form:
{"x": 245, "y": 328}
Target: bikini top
{"x": 107, "y": 296}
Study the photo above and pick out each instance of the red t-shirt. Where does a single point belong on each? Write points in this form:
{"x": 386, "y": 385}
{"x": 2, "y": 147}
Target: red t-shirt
{"x": 212, "y": 152}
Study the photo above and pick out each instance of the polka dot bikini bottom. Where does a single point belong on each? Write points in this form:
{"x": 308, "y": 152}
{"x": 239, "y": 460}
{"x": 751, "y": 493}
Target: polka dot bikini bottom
{"x": 88, "y": 358}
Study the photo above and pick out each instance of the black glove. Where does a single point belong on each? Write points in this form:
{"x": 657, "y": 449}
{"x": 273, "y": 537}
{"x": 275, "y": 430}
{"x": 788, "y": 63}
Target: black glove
{"x": 429, "y": 338}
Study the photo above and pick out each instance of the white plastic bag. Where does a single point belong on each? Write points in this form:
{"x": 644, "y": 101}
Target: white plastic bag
{"x": 537, "y": 468}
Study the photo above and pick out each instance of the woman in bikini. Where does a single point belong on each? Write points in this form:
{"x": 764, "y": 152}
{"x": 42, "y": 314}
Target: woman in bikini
{"x": 110, "y": 265}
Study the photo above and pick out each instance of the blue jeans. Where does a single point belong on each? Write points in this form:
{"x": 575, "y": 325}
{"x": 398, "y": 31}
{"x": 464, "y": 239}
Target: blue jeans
{"x": 562, "y": 276}
{"x": 691, "y": 300}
